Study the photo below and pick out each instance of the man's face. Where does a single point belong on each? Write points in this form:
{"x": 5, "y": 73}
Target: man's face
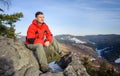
{"x": 40, "y": 18}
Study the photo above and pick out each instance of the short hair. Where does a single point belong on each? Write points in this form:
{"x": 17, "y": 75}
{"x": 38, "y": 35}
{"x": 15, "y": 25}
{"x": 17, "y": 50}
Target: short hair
{"x": 38, "y": 13}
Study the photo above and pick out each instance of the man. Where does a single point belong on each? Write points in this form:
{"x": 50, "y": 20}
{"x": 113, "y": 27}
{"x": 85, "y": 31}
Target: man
{"x": 39, "y": 35}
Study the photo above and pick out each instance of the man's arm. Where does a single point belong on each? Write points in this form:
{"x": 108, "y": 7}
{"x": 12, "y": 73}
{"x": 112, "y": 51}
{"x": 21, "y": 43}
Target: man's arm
{"x": 49, "y": 36}
{"x": 31, "y": 35}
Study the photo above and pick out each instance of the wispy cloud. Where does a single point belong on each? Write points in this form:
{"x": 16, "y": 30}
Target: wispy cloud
{"x": 72, "y": 16}
{"x": 112, "y": 2}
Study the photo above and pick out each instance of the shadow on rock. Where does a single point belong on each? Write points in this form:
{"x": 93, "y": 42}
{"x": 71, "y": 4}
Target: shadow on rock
{"x": 64, "y": 61}
{"x": 6, "y": 67}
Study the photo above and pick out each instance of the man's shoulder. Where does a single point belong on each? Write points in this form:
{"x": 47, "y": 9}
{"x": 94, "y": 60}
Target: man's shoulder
{"x": 32, "y": 26}
{"x": 45, "y": 25}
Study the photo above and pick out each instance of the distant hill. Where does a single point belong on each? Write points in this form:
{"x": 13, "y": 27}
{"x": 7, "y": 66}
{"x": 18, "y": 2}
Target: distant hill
{"x": 110, "y": 42}
{"x": 77, "y": 44}
{"x": 107, "y": 45}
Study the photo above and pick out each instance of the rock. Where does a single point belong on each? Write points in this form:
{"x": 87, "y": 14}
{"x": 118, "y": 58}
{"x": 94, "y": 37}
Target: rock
{"x": 72, "y": 65}
{"x": 53, "y": 74}
{"x": 16, "y": 59}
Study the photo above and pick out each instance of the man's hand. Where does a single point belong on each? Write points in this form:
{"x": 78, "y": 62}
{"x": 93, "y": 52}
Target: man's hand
{"x": 47, "y": 43}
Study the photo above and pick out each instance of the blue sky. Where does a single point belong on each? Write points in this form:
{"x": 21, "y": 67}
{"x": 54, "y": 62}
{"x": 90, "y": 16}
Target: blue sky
{"x": 76, "y": 17}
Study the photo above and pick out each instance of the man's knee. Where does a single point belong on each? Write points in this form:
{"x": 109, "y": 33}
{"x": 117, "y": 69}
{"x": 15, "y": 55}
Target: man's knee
{"x": 30, "y": 46}
{"x": 39, "y": 45}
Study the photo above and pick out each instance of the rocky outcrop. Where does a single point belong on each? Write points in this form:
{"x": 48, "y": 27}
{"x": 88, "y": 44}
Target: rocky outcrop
{"x": 72, "y": 67}
{"x": 17, "y": 60}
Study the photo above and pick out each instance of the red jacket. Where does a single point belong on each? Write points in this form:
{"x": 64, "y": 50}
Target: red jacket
{"x": 38, "y": 33}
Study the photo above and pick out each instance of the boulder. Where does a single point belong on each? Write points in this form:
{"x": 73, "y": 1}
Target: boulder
{"x": 16, "y": 59}
{"x": 72, "y": 65}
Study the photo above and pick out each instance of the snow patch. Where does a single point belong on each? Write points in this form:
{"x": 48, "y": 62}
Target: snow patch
{"x": 93, "y": 43}
{"x": 99, "y": 52}
{"x": 77, "y": 40}
{"x": 55, "y": 67}
{"x": 117, "y": 60}
{"x": 73, "y": 39}
{"x": 92, "y": 59}
{"x": 62, "y": 38}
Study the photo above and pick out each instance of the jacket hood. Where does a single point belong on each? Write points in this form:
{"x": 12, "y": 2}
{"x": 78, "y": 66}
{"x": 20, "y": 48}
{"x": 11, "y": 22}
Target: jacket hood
{"x": 34, "y": 22}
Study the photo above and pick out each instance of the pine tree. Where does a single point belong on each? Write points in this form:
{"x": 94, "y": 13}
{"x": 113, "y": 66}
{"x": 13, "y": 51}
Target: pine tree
{"x": 6, "y": 19}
